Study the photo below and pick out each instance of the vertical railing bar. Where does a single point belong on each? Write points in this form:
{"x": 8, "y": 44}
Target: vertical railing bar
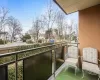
{"x": 65, "y": 52}
{"x": 16, "y": 67}
{"x": 7, "y": 72}
{"x": 23, "y": 70}
{"x": 53, "y": 63}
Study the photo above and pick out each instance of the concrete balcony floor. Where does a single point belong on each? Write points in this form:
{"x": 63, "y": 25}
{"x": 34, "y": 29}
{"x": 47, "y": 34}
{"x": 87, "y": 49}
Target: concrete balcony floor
{"x": 69, "y": 75}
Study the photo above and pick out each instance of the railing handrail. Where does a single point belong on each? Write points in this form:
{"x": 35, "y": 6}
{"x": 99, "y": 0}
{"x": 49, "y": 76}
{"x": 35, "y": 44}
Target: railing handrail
{"x": 21, "y": 51}
{"x": 73, "y": 42}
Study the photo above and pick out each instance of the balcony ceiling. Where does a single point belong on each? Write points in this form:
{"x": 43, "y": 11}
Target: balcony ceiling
{"x": 70, "y": 6}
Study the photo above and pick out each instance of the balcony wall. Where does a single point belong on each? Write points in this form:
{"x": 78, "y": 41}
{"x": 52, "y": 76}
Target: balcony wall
{"x": 89, "y": 28}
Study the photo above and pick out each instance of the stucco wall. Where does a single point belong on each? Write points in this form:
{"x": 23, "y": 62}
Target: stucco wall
{"x": 89, "y": 28}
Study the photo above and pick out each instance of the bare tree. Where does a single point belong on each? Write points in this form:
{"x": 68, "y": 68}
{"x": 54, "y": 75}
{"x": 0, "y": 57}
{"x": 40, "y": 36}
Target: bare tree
{"x": 14, "y": 27}
{"x": 49, "y": 17}
{"x": 37, "y": 26}
{"x": 75, "y": 32}
{"x": 65, "y": 29}
{"x": 60, "y": 19}
{"x": 3, "y": 17}
{"x": 70, "y": 28}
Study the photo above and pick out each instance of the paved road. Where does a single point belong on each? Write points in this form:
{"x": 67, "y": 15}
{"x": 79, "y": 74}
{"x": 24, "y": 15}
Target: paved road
{"x": 13, "y": 44}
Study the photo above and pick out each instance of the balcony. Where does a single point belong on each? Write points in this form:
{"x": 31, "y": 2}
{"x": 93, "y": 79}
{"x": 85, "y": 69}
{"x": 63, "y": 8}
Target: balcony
{"x": 42, "y": 63}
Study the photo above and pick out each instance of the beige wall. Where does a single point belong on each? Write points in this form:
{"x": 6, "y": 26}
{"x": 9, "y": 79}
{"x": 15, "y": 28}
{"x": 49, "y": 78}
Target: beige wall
{"x": 89, "y": 28}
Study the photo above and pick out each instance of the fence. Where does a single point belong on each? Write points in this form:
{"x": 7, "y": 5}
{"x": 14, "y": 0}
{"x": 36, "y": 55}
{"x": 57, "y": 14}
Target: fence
{"x": 32, "y": 64}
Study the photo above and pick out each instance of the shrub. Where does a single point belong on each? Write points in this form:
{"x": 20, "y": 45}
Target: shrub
{"x": 40, "y": 41}
{"x": 29, "y": 41}
{"x": 3, "y": 41}
{"x": 45, "y": 44}
{"x": 11, "y": 71}
{"x": 36, "y": 45}
{"x": 25, "y": 37}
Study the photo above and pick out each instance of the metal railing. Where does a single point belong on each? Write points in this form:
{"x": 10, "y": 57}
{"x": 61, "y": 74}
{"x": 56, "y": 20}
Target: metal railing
{"x": 25, "y": 56}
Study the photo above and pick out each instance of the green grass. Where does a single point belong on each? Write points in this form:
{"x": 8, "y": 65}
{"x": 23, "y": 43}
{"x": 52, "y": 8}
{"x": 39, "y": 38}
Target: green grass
{"x": 69, "y": 75}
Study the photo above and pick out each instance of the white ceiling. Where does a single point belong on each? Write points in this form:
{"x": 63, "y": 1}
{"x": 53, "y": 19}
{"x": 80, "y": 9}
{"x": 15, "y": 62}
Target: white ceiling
{"x": 70, "y": 6}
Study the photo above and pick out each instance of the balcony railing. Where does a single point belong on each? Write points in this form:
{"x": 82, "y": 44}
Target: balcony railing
{"x": 32, "y": 64}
